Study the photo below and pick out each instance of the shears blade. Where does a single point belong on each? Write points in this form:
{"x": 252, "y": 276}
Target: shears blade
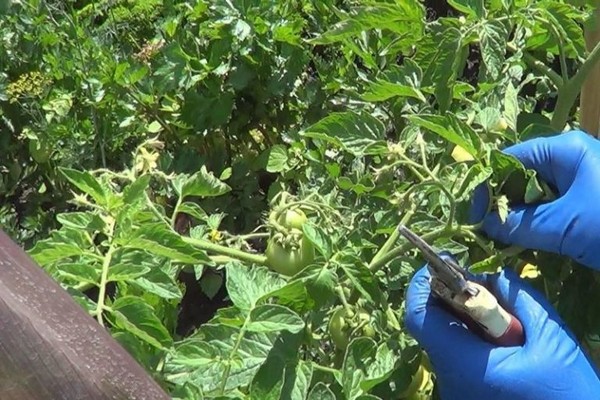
{"x": 443, "y": 268}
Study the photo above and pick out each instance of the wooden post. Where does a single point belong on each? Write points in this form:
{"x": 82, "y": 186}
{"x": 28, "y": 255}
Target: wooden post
{"x": 590, "y": 92}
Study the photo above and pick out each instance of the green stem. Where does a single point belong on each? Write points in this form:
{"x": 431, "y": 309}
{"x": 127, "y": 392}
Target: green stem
{"x": 395, "y": 234}
{"x": 395, "y": 252}
{"x": 258, "y": 235}
{"x": 568, "y": 94}
{"x": 539, "y": 66}
{"x": 226, "y": 251}
{"x": 221, "y": 259}
{"x": 325, "y": 369}
{"x": 234, "y": 350}
{"x": 176, "y": 211}
{"x": 340, "y": 292}
{"x": 103, "y": 283}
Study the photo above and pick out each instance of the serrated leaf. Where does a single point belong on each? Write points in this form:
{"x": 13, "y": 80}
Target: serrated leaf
{"x": 211, "y": 283}
{"x": 276, "y": 378}
{"x": 492, "y": 36}
{"x": 48, "y": 251}
{"x": 126, "y": 272}
{"x": 228, "y": 360}
{"x": 159, "y": 283}
{"x": 504, "y": 165}
{"x": 87, "y": 183}
{"x": 321, "y": 392}
{"x": 359, "y": 353}
{"x": 274, "y": 318}
{"x": 488, "y": 265}
{"x": 318, "y": 238}
{"x": 382, "y": 90}
{"x": 134, "y": 192}
{"x": 202, "y": 184}
{"x": 362, "y": 278}
{"x": 502, "y": 205}
{"x": 297, "y": 380}
{"x": 355, "y": 133}
{"x": 476, "y": 175}
{"x": 158, "y": 239}
{"x": 511, "y": 106}
{"x": 79, "y": 272}
{"x": 404, "y": 17}
{"x": 473, "y": 8}
{"x": 192, "y": 209}
{"x": 444, "y": 65}
{"x": 293, "y": 295}
{"x": 278, "y": 158}
{"x": 450, "y": 128}
{"x": 135, "y": 316}
{"x": 489, "y": 118}
{"x": 246, "y": 286}
{"x": 86, "y": 221}
{"x": 320, "y": 282}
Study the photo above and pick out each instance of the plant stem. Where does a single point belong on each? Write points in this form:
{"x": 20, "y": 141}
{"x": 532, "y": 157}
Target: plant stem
{"x": 568, "y": 94}
{"x": 176, "y": 211}
{"x": 428, "y": 237}
{"x": 539, "y": 66}
{"x": 103, "y": 283}
{"x": 325, "y": 369}
{"x": 234, "y": 350}
{"x": 394, "y": 236}
{"x": 257, "y": 235}
{"x": 226, "y": 251}
{"x": 342, "y": 296}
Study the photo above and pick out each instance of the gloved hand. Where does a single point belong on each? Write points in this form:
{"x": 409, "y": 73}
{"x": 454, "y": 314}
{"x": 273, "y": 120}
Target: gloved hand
{"x": 569, "y": 225}
{"x": 549, "y": 366}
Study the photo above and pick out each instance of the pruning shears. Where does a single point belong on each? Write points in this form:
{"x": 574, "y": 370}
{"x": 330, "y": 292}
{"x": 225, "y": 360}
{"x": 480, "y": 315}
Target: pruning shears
{"x": 473, "y": 303}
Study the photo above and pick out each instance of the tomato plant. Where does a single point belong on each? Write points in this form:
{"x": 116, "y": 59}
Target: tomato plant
{"x": 219, "y": 183}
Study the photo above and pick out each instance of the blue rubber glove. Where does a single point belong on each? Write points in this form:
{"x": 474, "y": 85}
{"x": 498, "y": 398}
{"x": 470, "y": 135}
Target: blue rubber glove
{"x": 569, "y": 225}
{"x": 549, "y": 366}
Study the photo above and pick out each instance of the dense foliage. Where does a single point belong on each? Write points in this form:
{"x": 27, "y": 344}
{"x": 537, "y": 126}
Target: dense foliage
{"x": 218, "y": 182}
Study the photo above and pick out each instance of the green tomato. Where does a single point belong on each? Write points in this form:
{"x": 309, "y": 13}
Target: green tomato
{"x": 290, "y": 218}
{"x": 288, "y": 261}
{"x": 341, "y": 326}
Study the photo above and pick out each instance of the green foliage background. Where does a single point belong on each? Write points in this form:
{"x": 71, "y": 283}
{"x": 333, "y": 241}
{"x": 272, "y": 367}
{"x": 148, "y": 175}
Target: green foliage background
{"x": 145, "y": 143}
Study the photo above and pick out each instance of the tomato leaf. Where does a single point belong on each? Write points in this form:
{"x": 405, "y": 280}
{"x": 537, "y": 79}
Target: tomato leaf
{"x": 321, "y": 392}
{"x": 492, "y": 36}
{"x": 362, "y": 278}
{"x": 274, "y": 318}
{"x": 278, "y": 158}
{"x": 318, "y": 238}
{"x": 135, "y": 316}
{"x": 382, "y": 90}
{"x": 246, "y": 286}
{"x": 158, "y": 239}
{"x": 87, "y": 183}
{"x": 356, "y": 133}
{"x": 450, "y": 128}
{"x": 320, "y": 281}
{"x": 202, "y": 184}
{"x": 473, "y": 8}
{"x": 192, "y": 209}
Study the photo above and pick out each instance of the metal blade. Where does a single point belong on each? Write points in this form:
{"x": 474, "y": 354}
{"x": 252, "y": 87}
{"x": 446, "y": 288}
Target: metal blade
{"x": 446, "y": 270}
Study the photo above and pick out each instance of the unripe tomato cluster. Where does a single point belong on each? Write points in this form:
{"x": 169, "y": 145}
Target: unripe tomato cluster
{"x": 345, "y": 324}
{"x": 290, "y": 252}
